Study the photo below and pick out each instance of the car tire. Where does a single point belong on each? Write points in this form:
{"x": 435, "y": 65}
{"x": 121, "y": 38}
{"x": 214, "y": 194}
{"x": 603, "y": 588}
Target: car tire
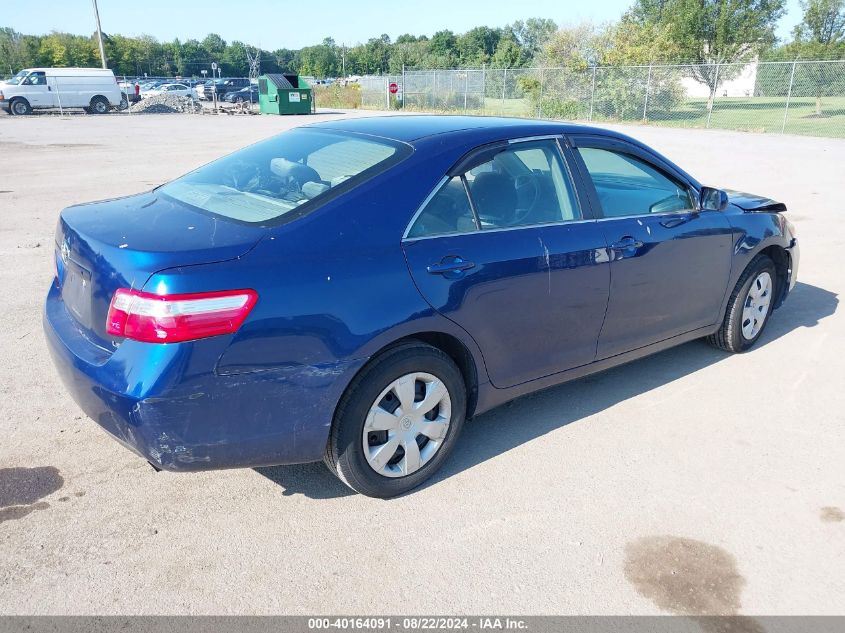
{"x": 749, "y": 307}
{"x": 99, "y": 105}
{"x": 20, "y": 107}
{"x": 374, "y": 397}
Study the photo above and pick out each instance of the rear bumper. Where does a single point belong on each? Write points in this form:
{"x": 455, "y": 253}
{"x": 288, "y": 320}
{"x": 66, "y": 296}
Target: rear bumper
{"x": 167, "y": 404}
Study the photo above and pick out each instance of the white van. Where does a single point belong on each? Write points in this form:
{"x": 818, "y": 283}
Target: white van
{"x": 94, "y": 89}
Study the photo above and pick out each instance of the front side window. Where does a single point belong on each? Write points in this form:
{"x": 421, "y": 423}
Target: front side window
{"x": 37, "y": 79}
{"x": 627, "y": 185}
{"x": 523, "y": 184}
{"x": 270, "y": 179}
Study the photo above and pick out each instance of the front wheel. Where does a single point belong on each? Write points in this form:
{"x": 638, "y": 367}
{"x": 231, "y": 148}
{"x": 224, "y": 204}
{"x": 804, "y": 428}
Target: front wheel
{"x": 20, "y": 107}
{"x": 749, "y": 307}
{"x": 398, "y": 421}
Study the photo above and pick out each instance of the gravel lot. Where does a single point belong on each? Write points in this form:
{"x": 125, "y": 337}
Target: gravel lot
{"x": 689, "y": 482}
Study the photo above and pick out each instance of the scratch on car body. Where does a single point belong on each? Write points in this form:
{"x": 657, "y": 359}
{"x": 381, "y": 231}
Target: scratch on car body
{"x": 547, "y": 259}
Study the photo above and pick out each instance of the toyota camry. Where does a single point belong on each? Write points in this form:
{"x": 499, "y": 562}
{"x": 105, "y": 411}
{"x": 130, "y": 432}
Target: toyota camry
{"x": 354, "y": 290}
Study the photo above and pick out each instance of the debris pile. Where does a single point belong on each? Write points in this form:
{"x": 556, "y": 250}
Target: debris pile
{"x": 165, "y": 104}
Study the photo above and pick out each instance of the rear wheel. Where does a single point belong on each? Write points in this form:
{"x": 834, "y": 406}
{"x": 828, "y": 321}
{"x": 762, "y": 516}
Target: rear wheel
{"x": 749, "y": 307}
{"x": 398, "y": 421}
{"x": 20, "y": 107}
{"x": 99, "y": 105}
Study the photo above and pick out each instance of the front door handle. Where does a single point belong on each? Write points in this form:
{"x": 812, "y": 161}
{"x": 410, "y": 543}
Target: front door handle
{"x": 671, "y": 223}
{"x": 626, "y": 243}
{"x": 450, "y": 264}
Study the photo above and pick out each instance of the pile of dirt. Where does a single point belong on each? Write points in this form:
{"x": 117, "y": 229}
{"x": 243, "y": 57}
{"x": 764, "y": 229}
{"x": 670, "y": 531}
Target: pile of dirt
{"x": 165, "y": 104}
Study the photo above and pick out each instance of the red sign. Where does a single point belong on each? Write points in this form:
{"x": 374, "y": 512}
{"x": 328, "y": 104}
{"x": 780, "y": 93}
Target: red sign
{"x": 394, "y": 88}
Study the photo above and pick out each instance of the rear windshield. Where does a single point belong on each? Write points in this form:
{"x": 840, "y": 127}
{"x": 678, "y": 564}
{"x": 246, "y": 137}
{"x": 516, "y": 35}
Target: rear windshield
{"x": 271, "y": 179}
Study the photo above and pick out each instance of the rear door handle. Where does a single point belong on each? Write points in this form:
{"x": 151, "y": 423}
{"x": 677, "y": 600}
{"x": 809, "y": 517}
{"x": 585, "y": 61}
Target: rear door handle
{"x": 449, "y": 265}
{"x": 626, "y": 243}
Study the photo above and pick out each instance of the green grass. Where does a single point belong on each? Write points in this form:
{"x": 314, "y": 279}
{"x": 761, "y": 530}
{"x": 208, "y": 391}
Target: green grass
{"x": 757, "y": 114}
{"x": 760, "y": 114}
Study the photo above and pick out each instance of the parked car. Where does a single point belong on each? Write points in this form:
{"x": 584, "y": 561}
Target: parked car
{"x": 248, "y": 94}
{"x": 223, "y": 86}
{"x": 93, "y": 89}
{"x": 180, "y": 90}
{"x": 353, "y": 290}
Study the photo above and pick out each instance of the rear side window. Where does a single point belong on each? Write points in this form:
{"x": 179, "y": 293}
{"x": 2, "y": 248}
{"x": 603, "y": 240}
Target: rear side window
{"x": 523, "y": 184}
{"x": 627, "y": 185}
{"x": 271, "y": 179}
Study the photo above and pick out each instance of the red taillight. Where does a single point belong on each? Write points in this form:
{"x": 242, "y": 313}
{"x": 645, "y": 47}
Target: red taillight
{"x": 143, "y": 316}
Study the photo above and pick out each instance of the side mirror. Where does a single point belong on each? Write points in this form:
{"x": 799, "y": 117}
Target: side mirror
{"x": 713, "y": 199}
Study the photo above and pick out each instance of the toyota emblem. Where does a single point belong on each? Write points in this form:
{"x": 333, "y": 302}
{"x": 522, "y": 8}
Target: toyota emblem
{"x": 65, "y": 251}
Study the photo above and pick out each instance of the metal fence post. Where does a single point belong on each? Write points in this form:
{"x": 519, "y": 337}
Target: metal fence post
{"x": 647, "y": 86}
{"x": 387, "y": 92}
{"x": 483, "y": 86}
{"x": 504, "y": 83}
{"x": 788, "y": 97}
{"x": 540, "y": 100}
{"x": 466, "y": 88}
{"x": 403, "y": 89}
{"x": 592, "y": 93}
{"x": 713, "y": 94}
{"x": 59, "y": 96}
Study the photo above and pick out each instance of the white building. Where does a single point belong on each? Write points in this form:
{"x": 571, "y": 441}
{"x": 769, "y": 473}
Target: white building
{"x": 740, "y": 86}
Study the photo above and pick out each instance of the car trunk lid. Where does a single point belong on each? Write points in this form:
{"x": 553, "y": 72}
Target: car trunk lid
{"x": 120, "y": 243}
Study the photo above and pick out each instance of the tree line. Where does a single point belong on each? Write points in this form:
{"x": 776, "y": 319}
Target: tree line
{"x": 651, "y": 31}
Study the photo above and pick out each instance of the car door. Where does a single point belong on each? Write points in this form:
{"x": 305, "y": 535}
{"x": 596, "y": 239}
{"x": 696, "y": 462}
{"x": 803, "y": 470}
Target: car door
{"x": 503, "y": 248}
{"x": 37, "y": 92}
{"x": 670, "y": 261}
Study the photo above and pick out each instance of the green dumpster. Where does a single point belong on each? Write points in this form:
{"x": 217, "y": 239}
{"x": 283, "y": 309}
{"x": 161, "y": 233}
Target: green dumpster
{"x": 283, "y": 94}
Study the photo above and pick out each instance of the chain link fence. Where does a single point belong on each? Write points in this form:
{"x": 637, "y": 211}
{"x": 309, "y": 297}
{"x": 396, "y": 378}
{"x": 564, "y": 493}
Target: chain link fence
{"x": 800, "y": 97}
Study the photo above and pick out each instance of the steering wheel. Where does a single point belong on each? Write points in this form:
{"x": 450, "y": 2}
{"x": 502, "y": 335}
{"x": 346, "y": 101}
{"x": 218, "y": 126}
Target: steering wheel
{"x": 242, "y": 176}
{"x": 521, "y": 182}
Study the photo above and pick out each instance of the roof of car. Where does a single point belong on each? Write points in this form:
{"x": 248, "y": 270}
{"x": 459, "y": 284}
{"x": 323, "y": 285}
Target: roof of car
{"x": 409, "y": 128}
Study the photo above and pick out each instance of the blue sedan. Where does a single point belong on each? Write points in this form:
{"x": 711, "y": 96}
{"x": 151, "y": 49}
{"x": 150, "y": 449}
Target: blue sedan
{"x": 354, "y": 290}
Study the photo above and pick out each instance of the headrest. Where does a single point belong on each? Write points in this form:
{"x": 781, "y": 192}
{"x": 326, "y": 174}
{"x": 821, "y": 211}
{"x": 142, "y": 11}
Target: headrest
{"x": 284, "y": 168}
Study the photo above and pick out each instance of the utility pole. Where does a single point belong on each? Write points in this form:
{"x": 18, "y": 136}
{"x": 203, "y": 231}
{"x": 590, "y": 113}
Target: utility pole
{"x": 99, "y": 34}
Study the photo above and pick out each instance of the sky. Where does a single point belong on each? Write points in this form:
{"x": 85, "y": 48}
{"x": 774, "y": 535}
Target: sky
{"x": 273, "y": 24}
